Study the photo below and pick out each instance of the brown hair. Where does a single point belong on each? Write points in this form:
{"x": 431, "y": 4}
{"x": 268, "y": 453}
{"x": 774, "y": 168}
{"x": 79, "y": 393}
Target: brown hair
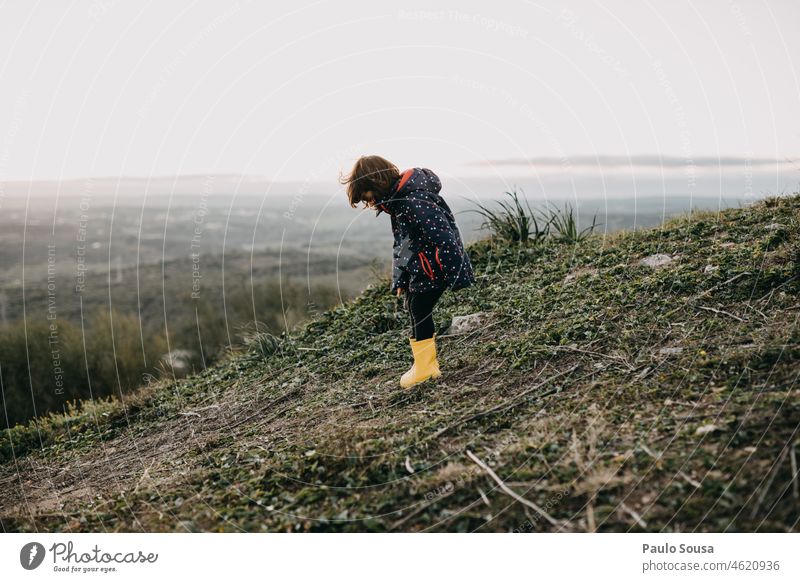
{"x": 369, "y": 173}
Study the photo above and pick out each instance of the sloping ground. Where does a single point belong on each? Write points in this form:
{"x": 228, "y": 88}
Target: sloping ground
{"x": 603, "y": 394}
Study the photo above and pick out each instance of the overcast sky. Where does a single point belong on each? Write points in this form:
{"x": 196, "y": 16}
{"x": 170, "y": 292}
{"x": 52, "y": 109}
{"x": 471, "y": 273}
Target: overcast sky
{"x": 296, "y": 91}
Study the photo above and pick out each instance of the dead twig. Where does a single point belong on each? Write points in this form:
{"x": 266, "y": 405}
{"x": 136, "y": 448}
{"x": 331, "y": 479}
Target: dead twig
{"x": 720, "y": 312}
{"x": 636, "y": 517}
{"x": 761, "y": 313}
{"x": 766, "y": 487}
{"x": 707, "y": 292}
{"x": 504, "y": 405}
{"x": 680, "y": 473}
{"x": 728, "y": 282}
{"x": 508, "y": 491}
{"x": 422, "y": 507}
{"x": 272, "y": 403}
{"x": 689, "y": 480}
{"x": 619, "y": 359}
{"x": 793, "y": 460}
{"x": 145, "y": 475}
{"x": 771, "y": 292}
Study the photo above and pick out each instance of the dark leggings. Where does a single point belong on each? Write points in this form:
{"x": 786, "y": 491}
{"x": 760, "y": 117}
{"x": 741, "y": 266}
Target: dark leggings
{"x": 420, "y": 308}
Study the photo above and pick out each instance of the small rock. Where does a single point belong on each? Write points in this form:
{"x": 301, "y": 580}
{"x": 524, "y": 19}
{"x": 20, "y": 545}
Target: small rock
{"x": 773, "y": 226}
{"x": 467, "y": 323}
{"x": 670, "y": 351}
{"x": 710, "y": 269}
{"x": 656, "y": 261}
{"x": 179, "y": 360}
{"x": 706, "y": 428}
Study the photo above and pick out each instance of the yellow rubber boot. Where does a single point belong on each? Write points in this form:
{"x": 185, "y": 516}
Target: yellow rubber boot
{"x": 425, "y": 367}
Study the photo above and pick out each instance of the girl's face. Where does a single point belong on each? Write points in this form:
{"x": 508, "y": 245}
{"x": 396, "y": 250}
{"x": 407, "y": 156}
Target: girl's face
{"x": 369, "y": 198}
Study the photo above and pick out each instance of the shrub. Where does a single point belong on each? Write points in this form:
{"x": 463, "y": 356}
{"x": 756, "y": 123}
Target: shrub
{"x": 513, "y": 222}
{"x": 263, "y": 344}
{"x": 516, "y": 223}
{"x": 565, "y": 223}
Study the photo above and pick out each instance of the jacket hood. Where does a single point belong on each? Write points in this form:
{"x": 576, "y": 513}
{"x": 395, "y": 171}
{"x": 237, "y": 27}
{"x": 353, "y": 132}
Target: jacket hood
{"x": 410, "y": 180}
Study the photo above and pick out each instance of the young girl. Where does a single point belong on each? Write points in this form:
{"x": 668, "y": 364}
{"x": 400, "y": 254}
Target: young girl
{"x": 428, "y": 254}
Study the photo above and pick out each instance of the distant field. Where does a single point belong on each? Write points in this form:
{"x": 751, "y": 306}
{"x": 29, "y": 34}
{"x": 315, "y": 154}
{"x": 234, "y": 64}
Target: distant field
{"x": 170, "y": 287}
{"x": 116, "y": 236}
{"x": 82, "y": 255}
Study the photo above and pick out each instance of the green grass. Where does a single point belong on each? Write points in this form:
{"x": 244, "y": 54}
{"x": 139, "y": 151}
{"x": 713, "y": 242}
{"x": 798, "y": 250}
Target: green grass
{"x": 613, "y": 396}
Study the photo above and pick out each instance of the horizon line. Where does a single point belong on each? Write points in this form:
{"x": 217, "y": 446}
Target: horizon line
{"x": 579, "y": 162}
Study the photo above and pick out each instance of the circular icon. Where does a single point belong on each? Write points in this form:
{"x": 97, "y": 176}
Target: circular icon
{"x": 31, "y": 555}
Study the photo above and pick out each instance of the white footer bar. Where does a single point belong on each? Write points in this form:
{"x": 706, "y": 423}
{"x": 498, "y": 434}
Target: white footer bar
{"x": 355, "y": 557}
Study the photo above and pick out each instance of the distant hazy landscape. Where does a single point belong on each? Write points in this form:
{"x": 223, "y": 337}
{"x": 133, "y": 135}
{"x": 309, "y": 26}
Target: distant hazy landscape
{"x": 153, "y": 278}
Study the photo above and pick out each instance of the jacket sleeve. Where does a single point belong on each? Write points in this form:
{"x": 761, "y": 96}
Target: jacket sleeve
{"x": 400, "y": 274}
{"x": 431, "y": 222}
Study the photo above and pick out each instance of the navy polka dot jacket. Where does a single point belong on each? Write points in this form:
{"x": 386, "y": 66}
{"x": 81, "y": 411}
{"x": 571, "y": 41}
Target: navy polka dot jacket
{"x": 428, "y": 251}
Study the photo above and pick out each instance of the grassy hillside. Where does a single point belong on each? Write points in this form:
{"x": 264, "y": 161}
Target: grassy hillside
{"x": 602, "y": 394}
